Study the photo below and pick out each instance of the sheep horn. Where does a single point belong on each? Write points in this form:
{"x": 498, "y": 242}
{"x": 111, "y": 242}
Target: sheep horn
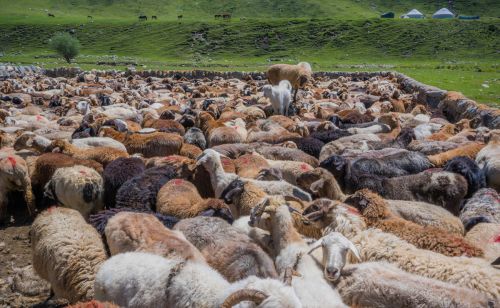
{"x": 255, "y": 296}
{"x": 316, "y": 245}
{"x": 315, "y": 215}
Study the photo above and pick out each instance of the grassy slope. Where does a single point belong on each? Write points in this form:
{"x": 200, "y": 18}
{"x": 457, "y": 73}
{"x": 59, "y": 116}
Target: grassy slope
{"x": 205, "y": 9}
{"x": 457, "y": 55}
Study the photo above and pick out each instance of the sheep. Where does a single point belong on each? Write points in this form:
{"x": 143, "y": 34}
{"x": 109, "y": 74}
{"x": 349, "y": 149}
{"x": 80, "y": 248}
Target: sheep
{"x": 14, "y": 177}
{"x": 149, "y": 145}
{"x": 30, "y": 140}
{"x": 470, "y": 150}
{"x": 321, "y": 183}
{"x": 118, "y": 172}
{"x": 226, "y": 249}
{"x": 377, "y": 214}
{"x": 486, "y": 235}
{"x": 282, "y": 153}
{"x": 181, "y": 199}
{"x": 310, "y": 286}
{"x": 309, "y": 145}
{"x": 93, "y": 304}
{"x": 444, "y": 133}
{"x": 67, "y": 252}
{"x": 290, "y": 170}
{"x": 280, "y": 96}
{"x": 98, "y": 142}
{"x": 77, "y": 187}
{"x": 45, "y": 166}
{"x": 211, "y": 161}
{"x": 195, "y": 136}
{"x": 426, "y": 214}
{"x": 137, "y": 279}
{"x": 190, "y": 150}
{"x": 298, "y": 75}
{"x": 376, "y": 245}
{"x": 249, "y": 165}
{"x": 484, "y": 206}
{"x": 488, "y": 159}
{"x": 128, "y": 231}
{"x": 356, "y": 143}
{"x": 469, "y": 170}
{"x": 102, "y": 155}
{"x": 431, "y": 147}
{"x": 100, "y": 220}
{"x": 379, "y": 284}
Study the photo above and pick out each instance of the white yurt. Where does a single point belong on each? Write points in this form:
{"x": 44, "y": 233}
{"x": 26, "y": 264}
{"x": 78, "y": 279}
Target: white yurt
{"x": 413, "y": 14}
{"x": 443, "y": 13}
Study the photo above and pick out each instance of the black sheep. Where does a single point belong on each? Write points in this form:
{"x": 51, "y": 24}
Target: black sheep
{"x": 330, "y": 135}
{"x": 469, "y": 169}
{"x": 118, "y": 172}
{"x": 309, "y": 145}
{"x": 140, "y": 191}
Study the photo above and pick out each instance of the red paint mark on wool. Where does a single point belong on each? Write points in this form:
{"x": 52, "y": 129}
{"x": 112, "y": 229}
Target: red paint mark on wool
{"x": 353, "y": 210}
{"x": 304, "y": 167}
{"x": 83, "y": 172}
{"x": 496, "y": 239}
{"x": 12, "y": 161}
{"x": 39, "y": 117}
{"x": 51, "y": 209}
{"x": 177, "y": 181}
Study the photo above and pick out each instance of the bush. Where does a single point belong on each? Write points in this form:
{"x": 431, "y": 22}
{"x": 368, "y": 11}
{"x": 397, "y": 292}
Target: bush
{"x": 65, "y": 45}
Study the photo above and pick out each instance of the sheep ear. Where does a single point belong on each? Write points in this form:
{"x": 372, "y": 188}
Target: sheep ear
{"x": 315, "y": 246}
{"x": 354, "y": 251}
{"x": 316, "y": 186}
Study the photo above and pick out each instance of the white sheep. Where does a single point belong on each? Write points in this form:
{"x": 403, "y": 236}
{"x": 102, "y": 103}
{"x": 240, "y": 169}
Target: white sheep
{"x": 375, "y": 245}
{"x": 292, "y": 255}
{"x": 280, "y": 96}
{"x": 92, "y": 142}
{"x": 380, "y": 284}
{"x": 137, "y": 279}
{"x": 211, "y": 161}
{"x": 67, "y": 252}
{"x": 77, "y": 187}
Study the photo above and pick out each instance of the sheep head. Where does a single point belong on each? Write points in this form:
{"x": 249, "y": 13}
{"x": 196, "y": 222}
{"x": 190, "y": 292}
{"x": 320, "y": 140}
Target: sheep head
{"x": 336, "y": 164}
{"x": 232, "y": 191}
{"x": 255, "y": 296}
{"x": 370, "y": 204}
{"x": 270, "y": 174}
{"x": 261, "y": 214}
{"x": 335, "y": 248}
{"x": 217, "y": 208}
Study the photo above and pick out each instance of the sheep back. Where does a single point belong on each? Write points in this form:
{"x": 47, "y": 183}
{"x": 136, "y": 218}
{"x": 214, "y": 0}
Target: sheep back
{"x": 67, "y": 252}
{"x": 118, "y": 172}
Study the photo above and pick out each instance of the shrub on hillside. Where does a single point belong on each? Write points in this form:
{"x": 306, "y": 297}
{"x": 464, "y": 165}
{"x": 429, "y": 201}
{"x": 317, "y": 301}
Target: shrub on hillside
{"x": 65, "y": 45}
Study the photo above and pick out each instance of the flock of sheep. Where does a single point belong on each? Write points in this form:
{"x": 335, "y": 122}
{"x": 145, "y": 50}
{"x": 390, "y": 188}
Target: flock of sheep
{"x": 176, "y": 192}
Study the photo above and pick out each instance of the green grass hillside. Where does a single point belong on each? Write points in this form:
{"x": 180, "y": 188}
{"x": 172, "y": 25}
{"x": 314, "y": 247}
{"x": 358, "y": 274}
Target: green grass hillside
{"x": 33, "y": 10}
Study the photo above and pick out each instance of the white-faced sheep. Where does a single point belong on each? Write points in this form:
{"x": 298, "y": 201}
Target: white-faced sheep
{"x": 379, "y": 284}
{"x": 220, "y": 179}
{"x": 310, "y": 285}
{"x": 67, "y": 252}
{"x": 375, "y": 245}
{"x": 78, "y": 187}
{"x": 138, "y": 279}
{"x": 228, "y": 250}
{"x": 280, "y": 96}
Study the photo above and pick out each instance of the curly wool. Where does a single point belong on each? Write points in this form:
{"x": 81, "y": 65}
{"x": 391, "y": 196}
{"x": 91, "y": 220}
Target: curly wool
{"x": 118, "y": 172}
{"x": 67, "y": 252}
{"x": 484, "y": 206}
{"x": 141, "y": 191}
{"x": 376, "y": 213}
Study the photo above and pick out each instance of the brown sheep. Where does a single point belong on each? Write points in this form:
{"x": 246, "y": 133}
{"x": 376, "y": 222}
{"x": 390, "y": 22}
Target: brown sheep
{"x": 249, "y": 166}
{"x": 298, "y": 75}
{"x": 377, "y": 214}
{"x": 129, "y": 231}
{"x": 444, "y": 133}
{"x": 470, "y": 150}
{"x": 169, "y": 126}
{"x": 102, "y": 155}
{"x": 321, "y": 183}
{"x": 181, "y": 199}
{"x": 45, "y": 166}
{"x": 190, "y": 151}
{"x": 149, "y": 145}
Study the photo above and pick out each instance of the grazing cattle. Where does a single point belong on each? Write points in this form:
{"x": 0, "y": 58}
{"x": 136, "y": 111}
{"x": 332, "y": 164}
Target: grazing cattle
{"x": 154, "y": 17}
{"x": 51, "y": 15}
{"x": 179, "y": 16}
{"x": 90, "y": 17}
{"x": 143, "y": 17}
{"x": 226, "y": 16}
{"x": 217, "y": 16}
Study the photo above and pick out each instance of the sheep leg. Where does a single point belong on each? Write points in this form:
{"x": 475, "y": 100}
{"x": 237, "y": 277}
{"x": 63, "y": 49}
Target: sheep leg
{"x": 295, "y": 96}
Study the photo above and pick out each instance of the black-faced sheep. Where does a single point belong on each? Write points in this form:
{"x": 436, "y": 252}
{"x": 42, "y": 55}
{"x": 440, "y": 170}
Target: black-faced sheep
{"x": 469, "y": 170}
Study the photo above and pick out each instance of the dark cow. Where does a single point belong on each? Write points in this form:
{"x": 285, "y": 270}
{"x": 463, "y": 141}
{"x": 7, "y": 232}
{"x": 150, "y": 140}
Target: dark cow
{"x": 154, "y": 17}
{"x": 51, "y": 15}
{"x": 143, "y": 17}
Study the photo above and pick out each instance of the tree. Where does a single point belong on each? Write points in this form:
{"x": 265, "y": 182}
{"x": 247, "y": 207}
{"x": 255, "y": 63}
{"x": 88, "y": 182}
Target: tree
{"x": 65, "y": 45}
